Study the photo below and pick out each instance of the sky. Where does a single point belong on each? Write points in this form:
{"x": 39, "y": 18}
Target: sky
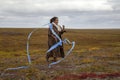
{"x": 80, "y": 14}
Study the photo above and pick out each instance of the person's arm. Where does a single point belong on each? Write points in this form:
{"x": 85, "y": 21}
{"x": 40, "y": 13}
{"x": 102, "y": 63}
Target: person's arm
{"x": 62, "y": 30}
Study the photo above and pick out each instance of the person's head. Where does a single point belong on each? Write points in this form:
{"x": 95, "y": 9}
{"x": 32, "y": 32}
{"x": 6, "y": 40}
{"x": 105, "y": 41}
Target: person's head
{"x": 54, "y": 19}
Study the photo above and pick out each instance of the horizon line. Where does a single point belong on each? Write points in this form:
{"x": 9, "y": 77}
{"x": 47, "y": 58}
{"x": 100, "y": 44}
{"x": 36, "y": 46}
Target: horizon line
{"x": 47, "y": 27}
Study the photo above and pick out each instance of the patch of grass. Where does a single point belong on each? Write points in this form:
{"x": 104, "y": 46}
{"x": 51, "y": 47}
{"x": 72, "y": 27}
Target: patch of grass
{"x": 95, "y": 51}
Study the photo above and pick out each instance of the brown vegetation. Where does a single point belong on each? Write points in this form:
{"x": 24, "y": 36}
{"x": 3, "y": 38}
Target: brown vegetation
{"x": 96, "y": 52}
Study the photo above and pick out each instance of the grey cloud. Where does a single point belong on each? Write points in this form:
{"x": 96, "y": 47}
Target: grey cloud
{"x": 115, "y": 4}
{"x": 29, "y": 13}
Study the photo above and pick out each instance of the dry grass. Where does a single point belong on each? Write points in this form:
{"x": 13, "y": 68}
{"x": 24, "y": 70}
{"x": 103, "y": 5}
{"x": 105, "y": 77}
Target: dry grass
{"x": 95, "y": 51}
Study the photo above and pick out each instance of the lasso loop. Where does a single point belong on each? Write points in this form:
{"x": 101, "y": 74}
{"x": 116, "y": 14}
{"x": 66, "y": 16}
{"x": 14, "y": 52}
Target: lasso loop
{"x": 66, "y": 41}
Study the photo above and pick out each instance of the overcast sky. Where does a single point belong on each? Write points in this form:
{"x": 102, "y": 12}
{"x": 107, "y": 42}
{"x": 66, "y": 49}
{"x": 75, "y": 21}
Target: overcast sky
{"x": 72, "y": 13}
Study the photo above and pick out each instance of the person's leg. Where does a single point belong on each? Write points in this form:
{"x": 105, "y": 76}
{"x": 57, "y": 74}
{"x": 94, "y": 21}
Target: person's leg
{"x": 62, "y": 51}
{"x": 47, "y": 57}
{"x": 55, "y": 59}
{"x": 54, "y": 56}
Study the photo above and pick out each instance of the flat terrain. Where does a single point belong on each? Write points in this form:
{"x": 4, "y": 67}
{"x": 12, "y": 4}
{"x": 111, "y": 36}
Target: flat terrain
{"x": 97, "y": 53}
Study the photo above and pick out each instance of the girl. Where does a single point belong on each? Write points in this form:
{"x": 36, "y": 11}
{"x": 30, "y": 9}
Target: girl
{"x": 59, "y": 51}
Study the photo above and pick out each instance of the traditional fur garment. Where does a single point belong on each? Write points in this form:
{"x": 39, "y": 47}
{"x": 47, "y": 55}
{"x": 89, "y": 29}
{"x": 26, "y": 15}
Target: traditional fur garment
{"x": 59, "y": 51}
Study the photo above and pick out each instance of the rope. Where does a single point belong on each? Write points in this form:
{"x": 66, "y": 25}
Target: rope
{"x": 66, "y": 41}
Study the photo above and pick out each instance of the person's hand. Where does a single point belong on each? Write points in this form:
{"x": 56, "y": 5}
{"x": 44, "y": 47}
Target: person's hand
{"x": 64, "y": 29}
{"x": 54, "y": 38}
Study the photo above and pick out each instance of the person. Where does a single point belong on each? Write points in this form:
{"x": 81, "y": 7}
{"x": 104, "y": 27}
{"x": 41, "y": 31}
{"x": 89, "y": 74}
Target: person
{"x": 52, "y": 39}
